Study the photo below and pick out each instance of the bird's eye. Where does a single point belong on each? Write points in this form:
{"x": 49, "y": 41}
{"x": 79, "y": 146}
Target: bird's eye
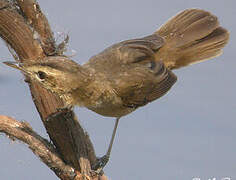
{"x": 41, "y": 75}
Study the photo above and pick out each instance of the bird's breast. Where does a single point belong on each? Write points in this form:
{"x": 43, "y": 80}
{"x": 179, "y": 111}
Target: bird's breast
{"x": 101, "y": 98}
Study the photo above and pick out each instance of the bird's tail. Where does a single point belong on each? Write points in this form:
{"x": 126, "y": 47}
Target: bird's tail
{"x": 190, "y": 37}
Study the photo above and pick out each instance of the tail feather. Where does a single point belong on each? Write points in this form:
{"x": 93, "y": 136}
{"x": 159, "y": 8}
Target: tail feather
{"x": 191, "y": 36}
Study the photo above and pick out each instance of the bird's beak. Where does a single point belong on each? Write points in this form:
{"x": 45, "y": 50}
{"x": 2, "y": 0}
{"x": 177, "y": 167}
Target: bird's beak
{"x": 15, "y": 65}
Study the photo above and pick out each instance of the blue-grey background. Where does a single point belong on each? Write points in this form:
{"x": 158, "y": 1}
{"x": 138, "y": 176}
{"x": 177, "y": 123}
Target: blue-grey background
{"x": 188, "y": 133}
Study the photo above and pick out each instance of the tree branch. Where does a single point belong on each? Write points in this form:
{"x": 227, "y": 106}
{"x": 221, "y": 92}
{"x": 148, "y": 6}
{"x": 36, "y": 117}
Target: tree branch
{"x": 39, "y": 22}
{"x": 24, "y": 27}
{"x": 40, "y": 147}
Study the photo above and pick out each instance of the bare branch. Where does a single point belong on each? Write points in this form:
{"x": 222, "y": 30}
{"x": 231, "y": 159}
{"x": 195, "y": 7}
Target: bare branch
{"x": 40, "y": 146}
{"x": 17, "y": 33}
{"x": 73, "y": 145}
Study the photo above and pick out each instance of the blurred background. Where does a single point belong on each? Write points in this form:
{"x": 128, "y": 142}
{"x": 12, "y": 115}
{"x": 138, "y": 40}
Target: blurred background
{"x": 189, "y": 133}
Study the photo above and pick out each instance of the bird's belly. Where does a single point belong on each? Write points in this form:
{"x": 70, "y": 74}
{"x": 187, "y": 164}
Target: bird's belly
{"x": 111, "y": 110}
{"x": 103, "y": 101}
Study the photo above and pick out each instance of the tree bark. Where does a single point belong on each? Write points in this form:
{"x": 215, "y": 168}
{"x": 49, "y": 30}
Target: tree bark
{"x": 26, "y": 30}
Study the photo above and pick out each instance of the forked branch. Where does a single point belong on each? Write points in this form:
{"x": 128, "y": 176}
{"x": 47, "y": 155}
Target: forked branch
{"x": 26, "y": 30}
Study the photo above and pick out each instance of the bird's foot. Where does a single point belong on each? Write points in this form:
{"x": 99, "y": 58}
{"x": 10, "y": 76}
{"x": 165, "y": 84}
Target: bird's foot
{"x": 100, "y": 164}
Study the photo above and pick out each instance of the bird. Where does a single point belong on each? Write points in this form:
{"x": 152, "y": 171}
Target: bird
{"x": 131, "y": 73}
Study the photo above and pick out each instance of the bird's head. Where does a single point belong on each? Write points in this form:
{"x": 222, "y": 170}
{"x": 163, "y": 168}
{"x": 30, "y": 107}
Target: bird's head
{"x": 57, "y": 74}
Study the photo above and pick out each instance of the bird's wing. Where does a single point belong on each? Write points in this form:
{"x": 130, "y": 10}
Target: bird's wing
{"x": 126, "y": 52}
{"x": 141, "y": 85}
{"x": 140, "y": 79}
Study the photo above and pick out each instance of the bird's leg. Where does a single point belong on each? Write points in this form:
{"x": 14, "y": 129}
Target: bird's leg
{"x": 101, "y": 162}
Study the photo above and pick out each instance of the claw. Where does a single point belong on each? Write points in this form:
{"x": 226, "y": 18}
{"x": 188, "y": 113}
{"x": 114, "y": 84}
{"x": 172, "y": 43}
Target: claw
{"x": 100, "y": 164}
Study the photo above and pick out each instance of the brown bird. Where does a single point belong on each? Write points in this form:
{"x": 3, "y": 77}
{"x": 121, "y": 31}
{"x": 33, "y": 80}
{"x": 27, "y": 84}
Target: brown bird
{"x": 132, "y": 73}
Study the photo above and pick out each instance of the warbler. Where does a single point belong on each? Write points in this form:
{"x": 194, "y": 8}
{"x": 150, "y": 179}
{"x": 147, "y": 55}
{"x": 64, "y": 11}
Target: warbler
{"x": 132, "y": 73}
